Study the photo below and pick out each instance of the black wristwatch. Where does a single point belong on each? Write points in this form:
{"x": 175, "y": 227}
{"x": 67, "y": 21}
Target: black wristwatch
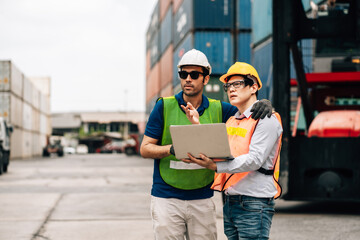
{"x": 172, "y": 151}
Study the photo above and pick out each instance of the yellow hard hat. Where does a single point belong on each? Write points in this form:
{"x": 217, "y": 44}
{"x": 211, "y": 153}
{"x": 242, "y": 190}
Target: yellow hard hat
{"x": 241, "y": 68}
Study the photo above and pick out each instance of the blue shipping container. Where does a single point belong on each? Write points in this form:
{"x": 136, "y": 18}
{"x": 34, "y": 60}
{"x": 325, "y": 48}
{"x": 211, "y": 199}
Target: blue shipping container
{"x": 243, "y": 47}
{"x": 213, "y": 14}
{"x": 261, "y": 20}
{"x": 182, "y": 21}
{"x": 217, "y": 46}
{"x": 153, "y": 25}
{"x": 166, "y": 31}
{"x": 186, "y": 45}
{"x": 262, "y": 62}
{"x": 202, "y": 15}
{"x": 243, "y": 17}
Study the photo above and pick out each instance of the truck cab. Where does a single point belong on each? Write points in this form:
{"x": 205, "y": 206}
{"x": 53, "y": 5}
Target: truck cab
{"x": 5, "y": 131}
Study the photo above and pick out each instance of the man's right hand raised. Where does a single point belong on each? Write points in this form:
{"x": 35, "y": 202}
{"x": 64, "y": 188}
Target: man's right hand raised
{"x": 191, "y": 113}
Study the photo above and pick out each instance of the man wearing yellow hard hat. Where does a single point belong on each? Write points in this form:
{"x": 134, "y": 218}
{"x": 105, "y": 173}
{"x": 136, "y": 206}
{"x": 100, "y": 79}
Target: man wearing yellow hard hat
{"x": 249, "y": 181}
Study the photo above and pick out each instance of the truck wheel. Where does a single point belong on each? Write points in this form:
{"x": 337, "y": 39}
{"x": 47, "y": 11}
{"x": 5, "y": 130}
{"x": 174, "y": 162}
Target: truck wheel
{"x": 61, "y": 153}
{"x": 2, "y": 161}
{"x": 45, "y": 153}
{"x": 6, "y": 162}
{"x": 129, "y": 151}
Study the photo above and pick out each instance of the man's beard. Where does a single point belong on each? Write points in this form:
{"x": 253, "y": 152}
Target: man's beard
{"x": 193, "y": 93}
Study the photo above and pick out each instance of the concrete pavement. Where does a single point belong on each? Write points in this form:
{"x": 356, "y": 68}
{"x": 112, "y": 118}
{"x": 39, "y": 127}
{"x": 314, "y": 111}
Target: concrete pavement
{"x": 79, "y": 197}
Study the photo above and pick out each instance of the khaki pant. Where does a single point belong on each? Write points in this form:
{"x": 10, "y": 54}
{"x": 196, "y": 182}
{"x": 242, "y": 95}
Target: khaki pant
{"x": 183, "y": 219}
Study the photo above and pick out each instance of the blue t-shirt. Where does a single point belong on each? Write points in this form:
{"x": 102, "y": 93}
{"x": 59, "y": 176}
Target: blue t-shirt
{"x": 154, "y": 129}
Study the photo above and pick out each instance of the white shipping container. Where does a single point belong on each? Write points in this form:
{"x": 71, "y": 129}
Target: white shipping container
{"x": 36, "y": 145}
{"x": 45, "y": 104}
{"x": 45, "y": 124}
{"x": 42, "y": 84}
{"x": 27, "y": 91}
{"x": 35, "y": 120}
{"x": 16, "y": 141}
{"x": 27, "y": 116}
{"x": 11, "y": 108}
{"x": 27, "y": 144}
{"x": 35, "y": 98}
{"x": 43, "y": 141}
{"x": 11, "y": 79}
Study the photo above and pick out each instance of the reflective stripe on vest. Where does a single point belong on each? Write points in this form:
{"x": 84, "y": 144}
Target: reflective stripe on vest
{"x": 239, "y": 135}
{"x": 173, "y": 171}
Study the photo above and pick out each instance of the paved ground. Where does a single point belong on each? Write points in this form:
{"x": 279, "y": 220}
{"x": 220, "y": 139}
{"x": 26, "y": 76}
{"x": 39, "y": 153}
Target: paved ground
{"x": 88, "y": 197}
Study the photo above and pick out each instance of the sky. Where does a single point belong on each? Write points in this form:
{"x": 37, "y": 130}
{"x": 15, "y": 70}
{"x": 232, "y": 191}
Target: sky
{"x": 93, "y": 50}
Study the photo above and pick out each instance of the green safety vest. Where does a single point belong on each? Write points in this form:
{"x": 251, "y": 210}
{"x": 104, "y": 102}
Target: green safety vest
{"x": 186, "y": 179}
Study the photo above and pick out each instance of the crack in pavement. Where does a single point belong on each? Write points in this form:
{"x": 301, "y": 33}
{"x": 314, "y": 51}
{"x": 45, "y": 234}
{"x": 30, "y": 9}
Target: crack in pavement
{"x": 41, "y": 229}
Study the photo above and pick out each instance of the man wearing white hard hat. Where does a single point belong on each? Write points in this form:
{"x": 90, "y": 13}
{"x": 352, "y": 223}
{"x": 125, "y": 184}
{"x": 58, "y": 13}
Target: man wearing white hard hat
{"x": 181, "y": 203}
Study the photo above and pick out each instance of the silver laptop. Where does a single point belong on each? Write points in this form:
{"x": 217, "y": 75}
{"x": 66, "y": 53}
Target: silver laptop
{"x": 209, "y": 139}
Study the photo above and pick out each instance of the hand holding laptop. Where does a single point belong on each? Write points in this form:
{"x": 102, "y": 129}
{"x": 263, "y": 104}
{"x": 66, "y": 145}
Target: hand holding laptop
{"x": 203, "y": 161}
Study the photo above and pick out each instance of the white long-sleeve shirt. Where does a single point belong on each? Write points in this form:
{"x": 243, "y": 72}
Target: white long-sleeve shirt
{"x": 262, "y": 150}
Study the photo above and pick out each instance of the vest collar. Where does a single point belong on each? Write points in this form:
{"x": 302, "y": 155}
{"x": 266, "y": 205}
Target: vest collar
{"x": 246, "y": 114}
{"x": 204, "y": 103}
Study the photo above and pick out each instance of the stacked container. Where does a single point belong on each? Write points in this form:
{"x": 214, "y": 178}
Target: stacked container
{"x": 263, "y": 49}
{"x": 22, "y": 104}
{"x": 219, "y": 28}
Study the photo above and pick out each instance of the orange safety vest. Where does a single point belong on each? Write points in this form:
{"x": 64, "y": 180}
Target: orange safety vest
{"x": 239, "y": 135}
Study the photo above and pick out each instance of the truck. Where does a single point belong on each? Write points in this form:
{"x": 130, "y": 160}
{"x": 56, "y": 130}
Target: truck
{"x": 319, "y": 162}
{"x": 5, "y": 132}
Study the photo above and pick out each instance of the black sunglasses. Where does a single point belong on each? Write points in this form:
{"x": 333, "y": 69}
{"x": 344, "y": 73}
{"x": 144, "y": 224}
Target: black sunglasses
{"x": 193, "y": 74}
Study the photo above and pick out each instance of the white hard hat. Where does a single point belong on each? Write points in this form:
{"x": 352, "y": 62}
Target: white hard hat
{"x": 195, "y": 58}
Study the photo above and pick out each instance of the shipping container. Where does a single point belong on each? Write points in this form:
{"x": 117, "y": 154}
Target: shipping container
{"x": 11, "y": 79}
{"x": 16, "y": 143}
{"x": 11, "y": 108}
{"x": 166, "y": 31}
{"x": 27, "y": 116}
{"x": 155, "y": 49}
{"x": 202, "y": 15}
{"x": 154, "y": 23}
{"x": 262, "y": 62}
{"x": 243, "y": 16}
{"x": 150, "y": 104}
{"x": 166, "y": 65}
{"x": 45, "y": 104}
{"x": 42, "y": 84}
{"x": 185, "y": 46}
{"x": 35, "y": 120}
{"x": 164, "y": 7}
{"x": 214, "y": 89}
{"x": 167, "y": 91}
{"x": 244, "y": 47}
{"x": 27, "y": 144}
{"x": 217, "y": 46}
{"x": 147, "y": 63}
{"x": 44, "y": 124}
{"x": 176, "y": 5}
{"x": 35, "y": 98}
{"x": 177, "y": 89}
{"x": 36, "y": 145}
{"x": 153, "y": 83}
{"x": 261, "y": 20}
{"x": 27, "y": 91}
